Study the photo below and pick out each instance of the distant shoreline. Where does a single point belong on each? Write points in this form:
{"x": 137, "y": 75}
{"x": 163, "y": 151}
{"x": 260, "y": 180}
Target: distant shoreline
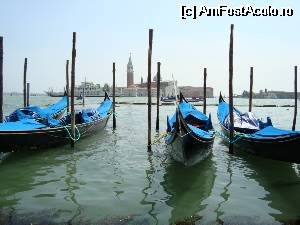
{"x": 94, "y": 96}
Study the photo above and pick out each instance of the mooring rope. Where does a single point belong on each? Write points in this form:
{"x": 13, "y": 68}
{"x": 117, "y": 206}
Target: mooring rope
{"x": 223, "y": 136}
{"x": 71, "y": 136}
{"x": 159, "y": 138}
{"x": 218, "y": 133}
{"x": 164, "y": 135}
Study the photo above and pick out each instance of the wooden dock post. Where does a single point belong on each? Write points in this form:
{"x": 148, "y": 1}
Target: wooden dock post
{"x": 27, "y": 94}
{"x": 114, "y": 96}
{"x": 149, "y": 87}
{"x": 24, "y": 81}
{"x": 231, "y": 89}
{"x": 158, "y": 95}
{"x": 296, "y": 97}
{"x": 72, "y": 89}
{"x": 67, "y": 85}
{"x": 83, "y": 93}
{"x": 251, "y": 89}
{"x": 1, "y": 79}
{"x": 204, "y": 91}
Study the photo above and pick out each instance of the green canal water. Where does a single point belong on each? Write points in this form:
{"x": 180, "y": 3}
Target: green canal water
{"x": 109, "y": 178}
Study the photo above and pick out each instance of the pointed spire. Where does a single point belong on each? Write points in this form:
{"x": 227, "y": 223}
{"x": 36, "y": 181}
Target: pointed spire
{"x": 129, "y": 62}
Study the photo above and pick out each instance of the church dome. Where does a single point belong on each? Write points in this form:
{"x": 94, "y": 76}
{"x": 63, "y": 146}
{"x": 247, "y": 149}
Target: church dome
{"x": 155, "y": 78}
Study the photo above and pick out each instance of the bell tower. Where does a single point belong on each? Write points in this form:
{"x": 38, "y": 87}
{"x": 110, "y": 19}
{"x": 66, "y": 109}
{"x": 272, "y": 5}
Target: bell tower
{"x": 129, "y": 72}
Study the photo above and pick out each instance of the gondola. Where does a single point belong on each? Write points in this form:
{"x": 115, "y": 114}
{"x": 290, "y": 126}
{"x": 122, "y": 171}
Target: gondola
{"x": 189, "y": 133}
{"x": 258, "y": 137}
{"x": 31, "y": 133}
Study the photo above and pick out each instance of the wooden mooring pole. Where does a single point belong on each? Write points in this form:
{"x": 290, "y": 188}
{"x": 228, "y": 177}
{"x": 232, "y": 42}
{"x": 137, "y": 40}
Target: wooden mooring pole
{"x": 231, "y": 89}
{"x": 251, "y": 89}
{"x": 296, "y": 97}
{"x": 72, "y": 88}
{"x": 1, "y": 79}
{"x": 27, "y": 93}
{"x": 149, "y": 87}
{"x": 67, "y": 86}
{"x": 114, "y": 96}
{"x": 158, "y": 95}
{"x": 204, "y": 91}
{"x": 83, "y": 93}
{"x": 24, "y": 82}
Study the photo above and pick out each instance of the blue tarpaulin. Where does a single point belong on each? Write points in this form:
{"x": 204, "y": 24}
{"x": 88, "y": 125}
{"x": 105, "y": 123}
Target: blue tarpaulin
{"x": 263, "y": 130}
{"x": 200, "y": 132}
{"x": 104, "y": 108}
{"x": 57, "y": 107}
{"x": 270, "y": 132}
{"x": 187, "y": 109}
{"x": 25, "y": 124}
{"x": 24, "y": 119}
{"x": 89, "y": 115}
{"x": 34, "y": 112}
{"x": 223, "y": 111}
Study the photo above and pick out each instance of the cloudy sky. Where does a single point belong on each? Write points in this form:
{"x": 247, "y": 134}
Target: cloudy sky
{"x": 107, "y": 31}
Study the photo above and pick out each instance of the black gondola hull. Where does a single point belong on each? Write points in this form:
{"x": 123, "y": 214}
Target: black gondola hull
{"x": 48, "y": 137}
{"x": 186, "y": 146}
{"x": 281, "y": 148}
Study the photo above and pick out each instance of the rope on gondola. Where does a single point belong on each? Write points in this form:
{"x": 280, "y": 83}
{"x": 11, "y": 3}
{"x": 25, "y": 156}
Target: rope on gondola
{"x": 159, "y": 138}
{"x": 185, "y": 134}
{"x": 115, "y": 113}
{"x": 70, "y": 135}
{"x": 235, "y": 138}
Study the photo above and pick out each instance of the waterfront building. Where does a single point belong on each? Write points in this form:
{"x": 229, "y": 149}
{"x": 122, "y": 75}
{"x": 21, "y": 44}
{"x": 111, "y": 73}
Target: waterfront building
{"x": 91, "y": 89}
{"x": 166, "y": 87}
{"x": 138, "y": 90}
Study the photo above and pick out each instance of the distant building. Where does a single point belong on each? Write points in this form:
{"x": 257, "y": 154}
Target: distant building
{"x": 130, "y": 76}
{"x": 270, "y": 94}
{"x": 190, "y": 91}
{"x": 166, "y": 87}
{"x": 138, "y": 90}
{"x": 91, "y": 89}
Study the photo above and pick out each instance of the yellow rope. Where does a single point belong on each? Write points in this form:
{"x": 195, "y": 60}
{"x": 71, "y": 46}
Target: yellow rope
{"x": 160, "y": 137}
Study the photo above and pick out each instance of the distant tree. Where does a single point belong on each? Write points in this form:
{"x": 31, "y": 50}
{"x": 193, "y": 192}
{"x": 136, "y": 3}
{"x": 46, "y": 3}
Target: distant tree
{"x": 106, "y": 87}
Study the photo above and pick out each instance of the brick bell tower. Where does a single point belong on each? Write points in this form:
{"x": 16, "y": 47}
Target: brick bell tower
{"x": 129, "y": 73}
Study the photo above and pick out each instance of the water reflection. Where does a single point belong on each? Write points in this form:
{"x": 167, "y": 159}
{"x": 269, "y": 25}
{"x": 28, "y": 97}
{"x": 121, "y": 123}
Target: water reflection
{"x": 110, "y": 177}
{"x": 148, "y": 188}
{"x": 225, "y": 194}
{"x": 282, "y": 183}
{"x": 19, "y": 172}
{"x": 72, "y": 185}
{"x": 187, "y": 187}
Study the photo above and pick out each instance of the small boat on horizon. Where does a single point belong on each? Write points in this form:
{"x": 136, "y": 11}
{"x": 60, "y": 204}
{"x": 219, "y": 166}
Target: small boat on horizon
{"x": 194, "y": 99}
{"x": 189, "y": 135}
{"x": 167, "y": 98}
{"x": 79, "y": 97}
{"x": 258, "y": 137}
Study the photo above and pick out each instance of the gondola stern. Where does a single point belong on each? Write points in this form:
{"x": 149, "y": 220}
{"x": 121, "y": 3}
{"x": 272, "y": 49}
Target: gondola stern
{"x": 106, "y": 97}
{"x": 221, "y": 99}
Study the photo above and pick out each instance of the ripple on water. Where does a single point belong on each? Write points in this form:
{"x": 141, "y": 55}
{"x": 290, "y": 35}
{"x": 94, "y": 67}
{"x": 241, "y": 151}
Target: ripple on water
{"x": 110, "y": 177}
